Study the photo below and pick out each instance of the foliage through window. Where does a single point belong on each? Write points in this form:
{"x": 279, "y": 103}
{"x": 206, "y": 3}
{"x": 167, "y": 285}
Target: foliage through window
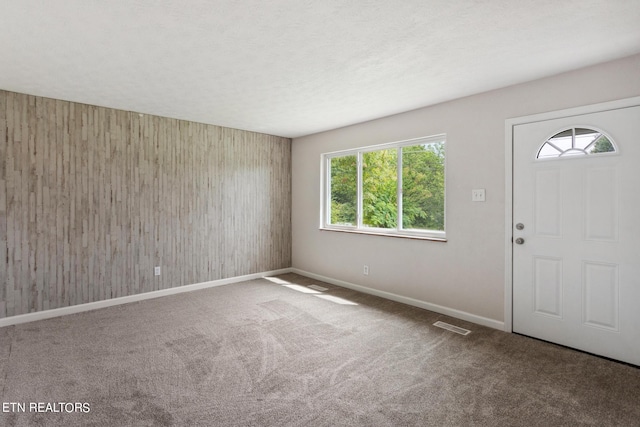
{"x": 395, "y": 188}
{"x": 344, "y": 176}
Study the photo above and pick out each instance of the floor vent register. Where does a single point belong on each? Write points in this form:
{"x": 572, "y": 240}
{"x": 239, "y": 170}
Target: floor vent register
{"x": 452, "y": 328}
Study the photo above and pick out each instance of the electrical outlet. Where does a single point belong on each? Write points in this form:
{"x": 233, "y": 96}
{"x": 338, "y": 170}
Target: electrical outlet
{"x": 477, "y": 195}
{"x": 156, "y": 271}
{"x": 365, "y": 270}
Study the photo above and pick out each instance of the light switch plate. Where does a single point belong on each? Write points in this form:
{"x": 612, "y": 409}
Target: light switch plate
{"x": 477, "y": 195}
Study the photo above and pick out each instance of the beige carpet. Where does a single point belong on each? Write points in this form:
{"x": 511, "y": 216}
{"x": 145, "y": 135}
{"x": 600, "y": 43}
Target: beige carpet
{"x": 262, "y": 354}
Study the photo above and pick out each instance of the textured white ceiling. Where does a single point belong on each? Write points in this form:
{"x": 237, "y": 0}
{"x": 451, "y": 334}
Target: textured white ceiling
{"x": 295, "y": 67}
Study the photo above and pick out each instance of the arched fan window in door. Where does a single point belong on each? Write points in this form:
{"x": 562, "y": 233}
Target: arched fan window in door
{"x": 576, "y": 142}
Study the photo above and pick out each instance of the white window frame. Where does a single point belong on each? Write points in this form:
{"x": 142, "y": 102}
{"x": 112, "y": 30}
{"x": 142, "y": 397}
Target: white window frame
{"x": 325, "y": 202}
{"x": 561, "y": 156}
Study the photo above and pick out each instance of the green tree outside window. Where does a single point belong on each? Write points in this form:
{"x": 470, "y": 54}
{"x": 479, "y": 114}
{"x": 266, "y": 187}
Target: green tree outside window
{"x": 423, "y": 188}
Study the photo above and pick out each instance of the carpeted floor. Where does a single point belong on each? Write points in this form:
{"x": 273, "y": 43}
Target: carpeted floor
{"x": 262, "y": 354}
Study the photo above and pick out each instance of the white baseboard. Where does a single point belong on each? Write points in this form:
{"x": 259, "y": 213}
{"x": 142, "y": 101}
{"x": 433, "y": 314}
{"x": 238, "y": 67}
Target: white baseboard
{"x": 480, "y": 320}
{"x": 63, "y": 311}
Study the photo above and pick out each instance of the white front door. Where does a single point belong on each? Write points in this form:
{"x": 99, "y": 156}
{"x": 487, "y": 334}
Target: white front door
{"x": 576, "y": 209}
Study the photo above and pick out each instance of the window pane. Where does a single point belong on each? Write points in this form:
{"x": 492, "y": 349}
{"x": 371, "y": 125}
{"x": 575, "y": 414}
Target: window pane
{"x": 423, "y": 187}
{"x": 548, "y": 150}
{"x": 344, "y": 178}
{"x": 563, "y": 140}
{"x": 585, "y": 137}
{"x": 380, "y": 189}
{"x": 601, "y": 145}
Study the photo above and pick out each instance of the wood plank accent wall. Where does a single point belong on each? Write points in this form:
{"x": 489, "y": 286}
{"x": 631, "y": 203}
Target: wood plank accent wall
{"x": 92, "y": 198}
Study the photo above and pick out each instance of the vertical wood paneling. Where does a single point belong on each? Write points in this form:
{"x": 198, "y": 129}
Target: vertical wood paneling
{"x": 3, "y": 208}
{"x": 91, "y": 199}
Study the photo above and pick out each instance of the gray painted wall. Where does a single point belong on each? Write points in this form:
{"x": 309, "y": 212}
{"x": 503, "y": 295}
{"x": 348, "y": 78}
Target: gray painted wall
{"x": 467, "y": 272}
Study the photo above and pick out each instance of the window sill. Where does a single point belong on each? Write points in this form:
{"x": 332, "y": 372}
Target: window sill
{"x": 377, "y": 233}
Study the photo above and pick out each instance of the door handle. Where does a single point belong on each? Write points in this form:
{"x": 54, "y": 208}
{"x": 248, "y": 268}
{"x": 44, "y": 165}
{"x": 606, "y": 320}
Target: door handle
{"x": 519, "y": 241}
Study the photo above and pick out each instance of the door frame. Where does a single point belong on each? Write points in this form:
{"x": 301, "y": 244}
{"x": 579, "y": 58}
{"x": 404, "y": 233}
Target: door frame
{"x": 508, "y": 196}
